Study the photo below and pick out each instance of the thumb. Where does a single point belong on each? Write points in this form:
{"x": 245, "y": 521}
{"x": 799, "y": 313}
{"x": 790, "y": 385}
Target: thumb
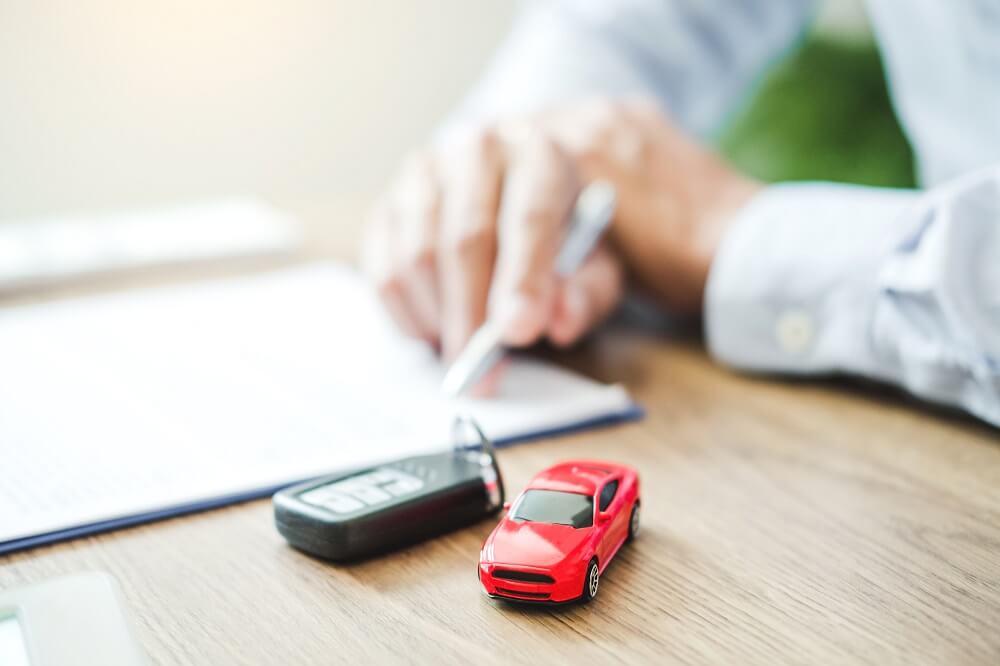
{"x": 587, "y": 297}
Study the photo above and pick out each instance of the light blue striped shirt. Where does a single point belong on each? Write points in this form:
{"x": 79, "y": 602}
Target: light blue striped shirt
{"x": 900, "y": 286}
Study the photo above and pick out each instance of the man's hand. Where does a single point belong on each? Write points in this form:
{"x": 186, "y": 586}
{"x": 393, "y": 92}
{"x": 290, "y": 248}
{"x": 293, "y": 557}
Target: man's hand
{"x": 472, "y": 227}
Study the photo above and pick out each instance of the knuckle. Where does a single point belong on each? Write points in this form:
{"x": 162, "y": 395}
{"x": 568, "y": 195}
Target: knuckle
{"x": 542, "y": 214}
{"x": 422, "y": 202}
{"x": 606, "y": 123}
{"x": 548, "y": 147}
{"x": 471, "y": 209}
{"x": 420, "y": 261}
{"x": 622, "y": 141}
{"x": 472, "y": 157}
{"x": 389, "y": 286}
{"x": 468, "y": 241}
{"x": 529, "y": 136}
{"x": 478, "y": 144}
{"x": 485, "y": 142}
{"x": 537, "y": 140}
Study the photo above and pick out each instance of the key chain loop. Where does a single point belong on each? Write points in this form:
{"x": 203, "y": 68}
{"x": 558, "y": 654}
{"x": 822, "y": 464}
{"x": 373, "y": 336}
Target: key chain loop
{"x": 485, "y": 445}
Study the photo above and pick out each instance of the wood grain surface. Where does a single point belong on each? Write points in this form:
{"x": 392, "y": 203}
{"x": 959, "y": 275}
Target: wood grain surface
{"x": 783, "y": 522}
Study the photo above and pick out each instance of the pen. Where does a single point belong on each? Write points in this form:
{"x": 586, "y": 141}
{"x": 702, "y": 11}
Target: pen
{"x": 592, "y": 213}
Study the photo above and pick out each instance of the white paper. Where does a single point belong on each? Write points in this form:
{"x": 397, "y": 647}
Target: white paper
{"x": 120, "y": 404}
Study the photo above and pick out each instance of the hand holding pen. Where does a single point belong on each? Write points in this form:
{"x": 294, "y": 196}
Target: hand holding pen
{"x": 592, "y": 213}
{"x": 471, "y": 228}
{"x": 492, "y": 255}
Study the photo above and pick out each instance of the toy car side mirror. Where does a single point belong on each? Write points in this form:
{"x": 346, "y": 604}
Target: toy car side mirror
{"x": 603, "y": 517}
{"x": 506, "y": 506}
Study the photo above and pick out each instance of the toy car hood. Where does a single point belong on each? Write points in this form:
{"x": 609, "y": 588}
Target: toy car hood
{"x": 535, "y": 544}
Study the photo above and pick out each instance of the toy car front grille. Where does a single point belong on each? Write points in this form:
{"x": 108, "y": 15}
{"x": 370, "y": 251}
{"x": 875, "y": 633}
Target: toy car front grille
{"x": 517, "y": 593}
{"x": 523, "y": 576}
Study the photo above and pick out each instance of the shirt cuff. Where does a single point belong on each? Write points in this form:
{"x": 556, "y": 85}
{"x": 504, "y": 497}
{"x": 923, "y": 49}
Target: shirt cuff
{"x": 793, "y": 285}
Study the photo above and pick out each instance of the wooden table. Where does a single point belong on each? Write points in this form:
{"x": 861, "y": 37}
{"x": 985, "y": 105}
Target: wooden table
{"x": 783, "y": 522}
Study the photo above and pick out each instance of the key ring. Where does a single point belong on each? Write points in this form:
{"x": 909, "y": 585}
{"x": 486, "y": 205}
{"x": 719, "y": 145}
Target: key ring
{"x": 495, "y": 484}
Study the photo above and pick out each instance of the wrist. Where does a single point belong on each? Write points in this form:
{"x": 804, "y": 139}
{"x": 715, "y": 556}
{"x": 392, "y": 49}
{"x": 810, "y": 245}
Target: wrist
{"x": 726, "y": 196}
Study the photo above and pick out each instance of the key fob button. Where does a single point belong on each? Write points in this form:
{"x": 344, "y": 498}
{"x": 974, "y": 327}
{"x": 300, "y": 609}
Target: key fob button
{"x": 403, "y": 486}
{"x": 384, "y": 476}
{"x": 316, "y": 496}
{"x": 370, "y": 495}
{"x": 354, "y": 483}
{"x": 343, "y": 504}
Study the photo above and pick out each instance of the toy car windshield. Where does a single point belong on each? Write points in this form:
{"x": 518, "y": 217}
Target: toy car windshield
{"x": 557, "y": 507}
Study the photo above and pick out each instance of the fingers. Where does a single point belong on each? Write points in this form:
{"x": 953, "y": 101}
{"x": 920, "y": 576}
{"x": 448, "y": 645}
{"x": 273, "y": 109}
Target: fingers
{"x": 475, "y": 229}
{"x": 539, "y": 190}
{"x": 489, "y": 384}
{"x": 378, "y": 260}
{"x": 587, "y": 297}
{"x": 417, "y": 211}
{"x": 468, "y": 237}
{"x": 399, "y": 249}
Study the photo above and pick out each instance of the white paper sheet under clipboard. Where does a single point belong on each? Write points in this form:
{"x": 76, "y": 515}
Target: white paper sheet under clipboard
{"x": 123, "y": 408}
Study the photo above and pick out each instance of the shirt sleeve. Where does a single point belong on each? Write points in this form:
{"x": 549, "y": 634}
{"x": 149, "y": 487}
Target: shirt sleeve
{"x": 898, "y": 286}
{"x": 696, "y": 57}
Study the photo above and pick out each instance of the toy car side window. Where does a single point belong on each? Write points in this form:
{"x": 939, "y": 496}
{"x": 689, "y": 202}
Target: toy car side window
{"x": 608, "y": 494}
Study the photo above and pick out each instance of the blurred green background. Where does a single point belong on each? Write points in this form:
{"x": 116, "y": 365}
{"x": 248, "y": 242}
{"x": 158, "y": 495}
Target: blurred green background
{"x": 823, "y": 113}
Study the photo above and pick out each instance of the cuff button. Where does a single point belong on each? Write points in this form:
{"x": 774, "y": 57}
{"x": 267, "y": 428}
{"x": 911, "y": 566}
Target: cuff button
{"x": 794, "y": 331}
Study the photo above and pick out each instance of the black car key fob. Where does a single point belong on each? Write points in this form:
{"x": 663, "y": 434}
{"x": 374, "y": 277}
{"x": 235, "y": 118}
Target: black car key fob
{"x": 351, "y": 515}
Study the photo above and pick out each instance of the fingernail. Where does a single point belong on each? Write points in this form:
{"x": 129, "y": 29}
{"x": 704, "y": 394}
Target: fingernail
{"x": 571, "y": 319}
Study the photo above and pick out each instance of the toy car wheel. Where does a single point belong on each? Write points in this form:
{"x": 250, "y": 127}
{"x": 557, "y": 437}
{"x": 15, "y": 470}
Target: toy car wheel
{"x": 633, "y": 521}
{"x": 592, "y": 581}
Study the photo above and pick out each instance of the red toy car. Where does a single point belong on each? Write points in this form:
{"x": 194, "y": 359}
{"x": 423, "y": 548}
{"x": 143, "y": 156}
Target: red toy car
{"x": 561, "y": 533}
